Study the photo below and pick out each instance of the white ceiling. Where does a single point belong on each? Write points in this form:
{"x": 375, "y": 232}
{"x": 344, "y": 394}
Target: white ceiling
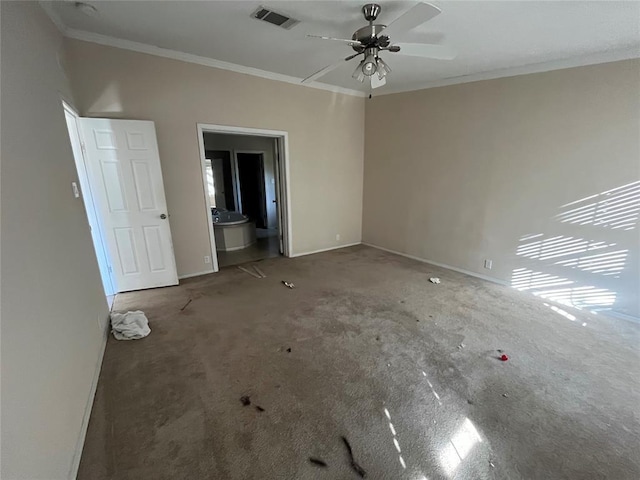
{"x": 492, "y": 38}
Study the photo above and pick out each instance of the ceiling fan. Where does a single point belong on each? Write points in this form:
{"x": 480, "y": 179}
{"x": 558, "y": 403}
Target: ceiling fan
{"x": 375, "y": 38}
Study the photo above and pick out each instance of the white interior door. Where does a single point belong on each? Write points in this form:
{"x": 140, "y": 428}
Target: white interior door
{"x": 124, "y": 172}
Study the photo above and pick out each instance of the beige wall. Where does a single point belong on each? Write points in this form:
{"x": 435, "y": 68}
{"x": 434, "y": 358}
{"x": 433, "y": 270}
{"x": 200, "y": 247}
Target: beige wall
{"x": 53, "y": 308}
{"x": 231, "y": 143}
{"x": 462, "y": 173}
{"x": 326, "y": 138}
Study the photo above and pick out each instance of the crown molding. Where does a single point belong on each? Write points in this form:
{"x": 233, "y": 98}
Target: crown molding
{"x": 184, "y": 57}
{"x": 208, "y": 62}
{"x": 581, "y": 61}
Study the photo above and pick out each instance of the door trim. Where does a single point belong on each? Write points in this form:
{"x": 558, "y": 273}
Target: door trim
{"x": 284, "y": 207}
{"x": 86, "y": 192}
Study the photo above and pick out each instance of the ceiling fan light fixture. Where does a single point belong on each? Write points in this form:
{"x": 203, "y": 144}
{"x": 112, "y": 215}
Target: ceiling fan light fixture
{"x": 383, "y": 69}
{"x": 358, "y": 72}
{"x": 371, "y": 39}
{"x": 370, "y": 64}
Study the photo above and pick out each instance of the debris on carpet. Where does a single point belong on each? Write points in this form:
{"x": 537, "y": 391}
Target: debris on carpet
{"x": 505, "y": 395}
{"x": 435, "y": 280}
{"x": 246, "y": 401}
{"x": 504, "y": 357}
{"x": 289, "y": 350}
{"x": 357, "y": 468}
{"x": 288, "y": 284}
{"x": 259, "y": 408}
{"x": 186, "y": 305}
{"x": 318, "y": 462}
{"x": 253, "y": 274}
{"x": 461, "y": 346}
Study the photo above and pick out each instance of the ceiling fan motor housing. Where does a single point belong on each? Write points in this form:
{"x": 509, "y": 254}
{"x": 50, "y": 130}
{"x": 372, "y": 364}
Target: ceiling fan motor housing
{"x": 368, "y": 38}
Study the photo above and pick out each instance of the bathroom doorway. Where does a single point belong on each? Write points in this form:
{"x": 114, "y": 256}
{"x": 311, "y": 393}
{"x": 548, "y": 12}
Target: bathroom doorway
{"x": 245, "y": 185}
{"x": 252, "y": 184}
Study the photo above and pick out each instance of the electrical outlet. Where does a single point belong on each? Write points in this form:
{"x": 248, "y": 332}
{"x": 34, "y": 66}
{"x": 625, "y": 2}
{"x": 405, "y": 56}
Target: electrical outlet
{"x": 488, "y": 264}
{"x": 337, "y": 237}
{"x": 75, "y": 190}
{"x": 207, "y": 259}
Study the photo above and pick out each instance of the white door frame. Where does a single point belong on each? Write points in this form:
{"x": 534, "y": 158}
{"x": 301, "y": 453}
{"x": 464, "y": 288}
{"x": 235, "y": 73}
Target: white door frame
{"x": 102, "y": 255}
{"x": 282, "y": 139}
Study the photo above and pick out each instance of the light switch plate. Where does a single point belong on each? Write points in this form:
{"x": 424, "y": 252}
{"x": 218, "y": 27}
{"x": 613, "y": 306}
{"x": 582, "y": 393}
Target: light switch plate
{"x": 74, "y": 188}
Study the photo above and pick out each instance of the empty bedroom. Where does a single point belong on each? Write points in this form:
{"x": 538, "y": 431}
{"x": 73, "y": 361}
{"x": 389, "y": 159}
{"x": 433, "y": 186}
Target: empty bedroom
{"x": 320, "y": 240}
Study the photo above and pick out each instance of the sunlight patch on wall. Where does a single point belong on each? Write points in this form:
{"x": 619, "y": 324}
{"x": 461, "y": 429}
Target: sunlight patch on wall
{"x": 618, "y": 208}
{"x": 550, "y": 263}
{"x": 557, "y": 248}
{"x": 563, "y": 291}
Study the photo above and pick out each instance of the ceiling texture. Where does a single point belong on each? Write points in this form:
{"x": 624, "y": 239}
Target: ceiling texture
{"x": 491, "y": 38}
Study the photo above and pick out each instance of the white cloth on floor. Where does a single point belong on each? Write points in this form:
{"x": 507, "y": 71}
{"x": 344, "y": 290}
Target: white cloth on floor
{"x": 130, "y": 325}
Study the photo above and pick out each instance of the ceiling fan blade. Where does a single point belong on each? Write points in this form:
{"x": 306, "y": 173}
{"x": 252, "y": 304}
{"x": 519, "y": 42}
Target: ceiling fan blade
{"x": 425, "y": 50}
{"x": 417, "y": 15}
{"x": 376, "y": 81}
{"x": 351, "y": 43}
{"x": 328, "y": 68}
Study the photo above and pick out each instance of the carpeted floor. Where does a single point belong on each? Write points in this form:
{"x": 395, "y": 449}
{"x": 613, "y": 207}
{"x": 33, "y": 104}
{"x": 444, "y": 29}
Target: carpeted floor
{"x": 406, "y": 370}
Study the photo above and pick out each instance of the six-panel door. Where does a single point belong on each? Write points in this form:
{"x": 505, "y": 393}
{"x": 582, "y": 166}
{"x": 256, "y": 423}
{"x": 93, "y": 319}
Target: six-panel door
{"x": 126, "y": 180}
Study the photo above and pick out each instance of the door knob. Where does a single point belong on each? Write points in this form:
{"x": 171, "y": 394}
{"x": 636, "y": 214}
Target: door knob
{"x": 163, "y": 216}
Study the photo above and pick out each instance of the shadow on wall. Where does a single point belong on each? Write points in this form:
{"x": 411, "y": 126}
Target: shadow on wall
{"x": 593, "y": 269}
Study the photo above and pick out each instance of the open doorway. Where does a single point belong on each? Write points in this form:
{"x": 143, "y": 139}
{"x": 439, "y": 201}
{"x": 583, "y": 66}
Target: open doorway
{"x": 245, "y": 188}
{"x": 99, "y": 246}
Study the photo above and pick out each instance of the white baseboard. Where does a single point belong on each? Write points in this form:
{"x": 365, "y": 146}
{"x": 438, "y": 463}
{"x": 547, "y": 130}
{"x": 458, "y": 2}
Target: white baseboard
{"x": 197, "y": 274}
{"x": 622, "y": 316}
{"x": 614, "y": 314}
{"x": 324, "y": 250}
{"x": 443, "y": 265}
{"x": 75, "y": 465}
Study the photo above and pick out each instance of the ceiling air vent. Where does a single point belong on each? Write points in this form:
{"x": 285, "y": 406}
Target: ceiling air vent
{"x": 274, "y": 18}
